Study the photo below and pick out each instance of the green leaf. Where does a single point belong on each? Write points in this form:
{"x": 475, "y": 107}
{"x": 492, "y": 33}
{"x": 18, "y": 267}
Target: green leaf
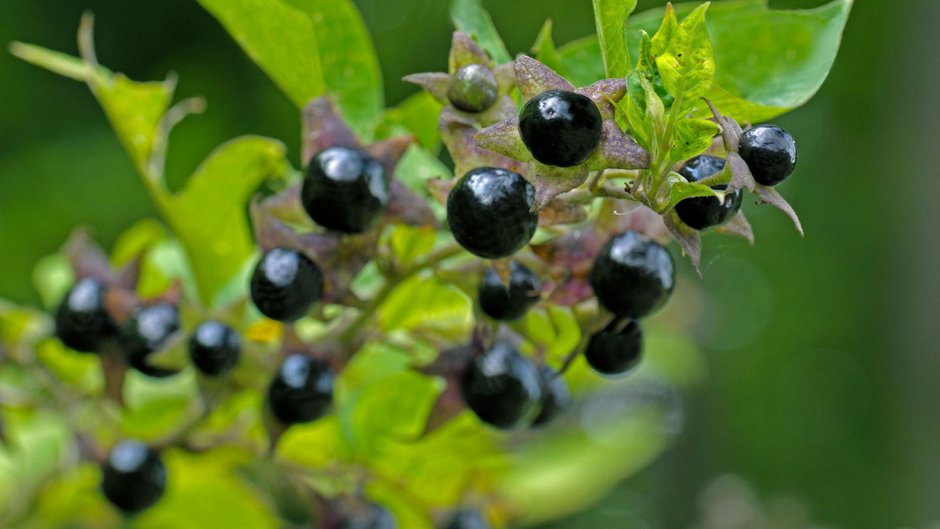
{"x": 610, "y": 17}
{"x": 418, "y": 115}
{"x": 308, "y": 48}
{"x": 204, "y": 492}
{"x": 470, "y": 17}
{"x": 409, "y": 243}
{"x": 545, "y": 51}
{"x": 687, "y": 63}
{"x": 135, "y": 110}
{"x": 582, "y": 60}
{"x": 427, "y": 303}
{"x": 208, "y": 215}
{"x": 680, "y": 189}
{"x": 553, "y": 328}
{"x": 768, "y": 61}
{"x": 613, "y": 443}
{"x": 52, "y": 278}
{"x": 663, "y": 36}
{"x": 693, "y": 137}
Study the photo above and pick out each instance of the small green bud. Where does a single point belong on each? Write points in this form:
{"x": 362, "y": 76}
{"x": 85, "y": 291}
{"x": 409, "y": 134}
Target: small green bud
{"x": 473, "y": 88}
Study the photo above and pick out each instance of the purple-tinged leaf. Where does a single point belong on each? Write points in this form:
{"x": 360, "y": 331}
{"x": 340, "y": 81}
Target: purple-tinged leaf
{"x": 503, "y": 138}
{"x": 407, "y": 207}
{"x": 617, "y": 151}
{"x": 549, "y": 182}
{"x": 323, "y": 127}
{"x": 605, "y": 93}
{"x": 560, "y": 212}
{"x": 769, "y": 195}
{"x": 689, "y": 239}
{"x": 739, "y": 227}
{"x": 436, "y": 84}
{"x": 533, "y": 78}
{"x": 464, "y": 51}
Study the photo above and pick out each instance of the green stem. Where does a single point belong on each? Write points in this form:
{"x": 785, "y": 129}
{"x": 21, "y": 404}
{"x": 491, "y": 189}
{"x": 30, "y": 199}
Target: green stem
{"x": 433, "y": 259}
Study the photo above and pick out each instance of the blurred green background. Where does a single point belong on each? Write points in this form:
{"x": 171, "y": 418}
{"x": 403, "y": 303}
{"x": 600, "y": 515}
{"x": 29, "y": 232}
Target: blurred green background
{"x": 824, "y": 361}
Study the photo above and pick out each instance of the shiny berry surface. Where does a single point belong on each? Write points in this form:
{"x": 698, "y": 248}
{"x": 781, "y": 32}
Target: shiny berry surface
{"x": 82, "y": 321}
{"x": 302, "y": 390}
{"x": 146, "y": 332}
{"x": 555, "y": 396}
{"x": 770, "y": 153}
{"x": 502, "y": 303}
{"x": 345, "y": 190}
{"x": 560, "y": 128}
{"x": 473, "y": 88}
{"x": 214, "y": 348}
{"x": 371, "y": 516}
{"x": 633, "y": 276}
{"x": 468, "y": 519}
{"x": 134, "y": 477}
{"x": 705, "y": 212}
{"x": 616, "y": 349}
{"x": 489, "y": 212}
{"x": 285, "y": 284}
{"x": 502, "y": 387}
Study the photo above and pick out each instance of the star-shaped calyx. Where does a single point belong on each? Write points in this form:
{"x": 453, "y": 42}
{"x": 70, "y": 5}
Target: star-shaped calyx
{"x": 616, "y": 150}
{"x": 475, "y": 89}
{"x": 340, "y": 256}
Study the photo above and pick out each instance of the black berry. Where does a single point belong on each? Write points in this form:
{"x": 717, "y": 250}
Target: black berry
{"x": 633, "y": 276}
{"x": 770, "y": 153}
{"x": 82, "y": 321}
{"x": 134, "y": 477}
{"x": 560, "y": 128}
{"x": 147, "y": 331}
{"x": 502, "y": 303}
{"x": 344, "y": 190}
{"x": 490, "y": 212}
{"x": 616, "y": 349}
{"x": 370, "y": 516}
{"x": 468, "y": 519}
{"x": 704, "y": 212}
{"x": 502, "y": 387}
{"x": 286, "y": 284}
{"x": 214, "y": 348}
{"x": 555, "y": 396}
{"x": 473, "y": 88}
{"x": 302, "y": 390}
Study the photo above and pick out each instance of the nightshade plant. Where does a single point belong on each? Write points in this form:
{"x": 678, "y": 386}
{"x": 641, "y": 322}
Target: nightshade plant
{"x": 334, "y": 357}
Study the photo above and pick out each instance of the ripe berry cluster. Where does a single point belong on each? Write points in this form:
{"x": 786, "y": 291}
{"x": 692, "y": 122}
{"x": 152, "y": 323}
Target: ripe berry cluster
{"x": 493, "y": 211}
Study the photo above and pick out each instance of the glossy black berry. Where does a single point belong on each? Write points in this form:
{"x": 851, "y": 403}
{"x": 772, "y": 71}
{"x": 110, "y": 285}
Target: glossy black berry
{"x": 473, "y": 88}
{"x": 633, "y": 276}
{"x": 502, "y": 303}
{"x": 616, "y": 349}
{"x": 770, "y": 153}
{"x": 286, "y": 284}
{"x": 82, "y": 321}
{"x": 560, "y": 128}
{"x": 344, "y": 190}
{"x": 214, "y": 348}
{"x": 370, "y": 516}
{"x": 555, "y": 396}
{"x": 134, "y": 477}
{"x": 489, "y": 212}
{"x": 502, "y": 387}
{"x": 468, "y": 519}
{"x": 147, "y": 331}
{"x": 302, "y": 390}
{"x": 704, "y": 212}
